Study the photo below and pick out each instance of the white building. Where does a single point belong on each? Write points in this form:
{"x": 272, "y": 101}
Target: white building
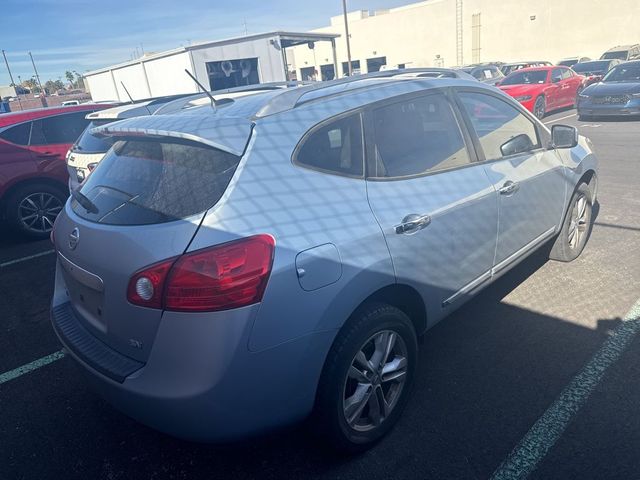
{"x": 457, "y": 32}
{"x": 217, "y": 65}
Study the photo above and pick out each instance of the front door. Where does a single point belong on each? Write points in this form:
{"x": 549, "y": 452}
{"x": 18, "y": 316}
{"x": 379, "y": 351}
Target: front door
{"x": 529, "y": 178}
{"x": 435, "y": 206}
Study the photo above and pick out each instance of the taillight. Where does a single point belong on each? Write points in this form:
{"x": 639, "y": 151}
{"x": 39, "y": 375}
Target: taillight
{"x": 226, "y": 276}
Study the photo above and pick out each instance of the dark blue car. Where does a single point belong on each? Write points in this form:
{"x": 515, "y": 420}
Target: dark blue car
{"x": 618, "y": 94}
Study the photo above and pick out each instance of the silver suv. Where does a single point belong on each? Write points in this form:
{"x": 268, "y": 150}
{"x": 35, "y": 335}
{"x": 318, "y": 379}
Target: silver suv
{"x": 231, "y": 269}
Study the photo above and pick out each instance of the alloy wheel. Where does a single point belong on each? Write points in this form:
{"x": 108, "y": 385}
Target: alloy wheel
{"x": 539, "y": 108}
{"x": 578, "y": 223}
{"x": 38, "y": 211}
{"x": 375, "y": 381}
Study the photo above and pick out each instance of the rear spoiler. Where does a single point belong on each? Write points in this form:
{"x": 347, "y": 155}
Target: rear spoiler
{"x": 229, "y": 134}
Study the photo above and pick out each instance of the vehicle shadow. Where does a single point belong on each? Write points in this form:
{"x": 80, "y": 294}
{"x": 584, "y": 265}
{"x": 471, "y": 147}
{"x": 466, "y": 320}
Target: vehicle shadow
{"x": 486, "y": 374}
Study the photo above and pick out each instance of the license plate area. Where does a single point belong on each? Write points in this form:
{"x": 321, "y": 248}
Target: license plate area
{"x": 86, "y": 294}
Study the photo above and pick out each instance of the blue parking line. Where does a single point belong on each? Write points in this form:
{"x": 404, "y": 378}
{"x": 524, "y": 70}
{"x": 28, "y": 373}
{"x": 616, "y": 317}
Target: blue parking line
{"x": 30, "y": 367}
{"x": 535, "y": 445}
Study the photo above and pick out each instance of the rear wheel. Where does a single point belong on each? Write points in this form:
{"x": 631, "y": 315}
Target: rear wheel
{"x": 367, "y": 378}
{"x": 540, "y": 107}
{"x": 32, "y": 209}
{"x": 576, "y": 228}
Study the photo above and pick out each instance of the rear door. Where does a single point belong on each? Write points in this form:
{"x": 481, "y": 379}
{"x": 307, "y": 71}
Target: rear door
{"x": 529, "y": 179}
{"x": 15, "y": 157}
{"x": 556, "y": 94}
{"x": 149, "y": 197}
{"x": 435, "y": 206}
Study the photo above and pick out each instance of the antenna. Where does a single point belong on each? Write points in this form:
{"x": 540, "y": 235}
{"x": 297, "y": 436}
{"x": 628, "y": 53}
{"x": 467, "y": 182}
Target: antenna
{"x": 206, "y": 92}
{"x": 131, "y": 98}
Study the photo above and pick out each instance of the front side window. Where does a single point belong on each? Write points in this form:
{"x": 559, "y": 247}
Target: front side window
{"x": 556, "y": 75}
{"x": 335, "y": 147}
{"x": 501, "y": 128}
{"x": 141, "y": 182}
{"x": 566, "y": 73}
{"x": 417, "y": 136}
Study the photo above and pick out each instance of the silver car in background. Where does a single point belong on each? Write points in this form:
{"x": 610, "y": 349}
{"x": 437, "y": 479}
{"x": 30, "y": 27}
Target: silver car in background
{"x": 239, "y": 266}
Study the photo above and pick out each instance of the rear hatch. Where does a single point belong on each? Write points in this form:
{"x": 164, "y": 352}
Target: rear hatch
{"x": 143, "y": 204}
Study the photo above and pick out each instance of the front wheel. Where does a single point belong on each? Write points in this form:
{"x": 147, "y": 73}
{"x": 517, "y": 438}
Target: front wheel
{"x": 540, "y": 108}
{"x": 367, "y": 378}
{"x": 576, "y": 228}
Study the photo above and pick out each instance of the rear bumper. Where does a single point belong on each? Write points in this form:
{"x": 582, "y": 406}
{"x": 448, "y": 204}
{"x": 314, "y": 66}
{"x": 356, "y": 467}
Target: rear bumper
{"x": 201, "y": 382}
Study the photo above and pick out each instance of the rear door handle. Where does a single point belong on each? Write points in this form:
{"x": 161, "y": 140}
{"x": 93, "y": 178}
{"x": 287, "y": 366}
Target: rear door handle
{"x": 509, "y": 188}
{"x": 412, "y": 223}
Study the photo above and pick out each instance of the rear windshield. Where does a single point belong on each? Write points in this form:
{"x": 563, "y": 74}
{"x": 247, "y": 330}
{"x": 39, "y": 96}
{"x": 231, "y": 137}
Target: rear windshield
{"x": 620, "y": 55}
{"x": 141, "y": 182}
{"x": 526, "y": 78}
{"x": 591, "y": 67}
{"x": 88, "y": 143}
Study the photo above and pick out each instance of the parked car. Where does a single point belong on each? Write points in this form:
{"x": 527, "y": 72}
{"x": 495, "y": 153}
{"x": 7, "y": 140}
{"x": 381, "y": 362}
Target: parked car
{"x": 595, "y": 70}
{"x": 89, "y": 149}
{"x": 70, "y": 102}
{"x": 507, "y": 68}
{"x": 571, "y": 61}
{"x": 543, "y": 89}
{"x": 488, "y": 73}
{"x": 33, "y": 177}
{"x": 617, "y": 94}
{"x": 222, "y": 273}
{"x": 622, "y": 52}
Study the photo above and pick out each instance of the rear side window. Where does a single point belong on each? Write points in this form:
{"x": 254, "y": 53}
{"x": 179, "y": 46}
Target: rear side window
{"x": 141, "y": 182}
{"x": 417, "y": 136}
{"x": 88, "y": 143}
{"x": 335, "y": 147}
{"x": 18, "y": 134}
{"x": 496, "y": 123}
{"x": 59, "y": 129}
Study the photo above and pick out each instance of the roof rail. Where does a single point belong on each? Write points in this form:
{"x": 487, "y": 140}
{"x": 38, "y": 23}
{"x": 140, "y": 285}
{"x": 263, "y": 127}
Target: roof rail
{"x": 289, "y": 99}
{"x": 180, "y": 103}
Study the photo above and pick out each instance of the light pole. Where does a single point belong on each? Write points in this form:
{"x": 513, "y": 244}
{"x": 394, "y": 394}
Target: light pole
{"x": 346, "y": 32}
{"x": 11, "y": 77}
{"x": 42, "y": 91}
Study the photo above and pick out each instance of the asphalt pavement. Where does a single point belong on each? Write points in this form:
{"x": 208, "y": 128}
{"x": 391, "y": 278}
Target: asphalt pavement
{"x": 498, "y": 373}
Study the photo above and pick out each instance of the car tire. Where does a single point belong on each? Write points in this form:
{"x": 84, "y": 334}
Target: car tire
{"x": 540, "y": 107}
{"x": 353, "y": 372}
{"x": 584, "y": 118}
{"x": 576, "y": 227}
{"x": 31, "y": 210}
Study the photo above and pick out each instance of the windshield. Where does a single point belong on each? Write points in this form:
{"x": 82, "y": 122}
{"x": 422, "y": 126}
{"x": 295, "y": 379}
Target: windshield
{"x": 141, "y": 182}
{"x": 627, "y": 72}
{"x": 526, "y": 78}
{"x": 620, "y": 55}
{"x": 591, "y": 67}
{"x": 88, "y": 143}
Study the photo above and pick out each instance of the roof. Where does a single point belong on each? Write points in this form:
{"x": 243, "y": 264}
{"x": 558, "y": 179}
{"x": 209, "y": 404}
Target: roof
{"x": 24, "y": 115}
{"x": 287, "y": 38}
{"x": 621, "y": 48}
{"x": 137, "y": 108}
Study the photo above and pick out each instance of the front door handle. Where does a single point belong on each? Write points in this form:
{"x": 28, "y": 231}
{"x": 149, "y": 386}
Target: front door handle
{"x": 509, "y": 188}
{"x": 412, "y": 223}
{"x": 47, "y": 155}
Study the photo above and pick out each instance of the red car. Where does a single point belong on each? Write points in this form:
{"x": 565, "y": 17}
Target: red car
{"x": 33, "y": 174}
{"x": 543, "y": 89}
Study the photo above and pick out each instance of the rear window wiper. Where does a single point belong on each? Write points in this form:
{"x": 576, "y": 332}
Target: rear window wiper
{"x": 87, "y": 204}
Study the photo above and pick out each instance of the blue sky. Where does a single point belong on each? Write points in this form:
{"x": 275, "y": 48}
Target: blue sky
{"x": 84, "y": 35}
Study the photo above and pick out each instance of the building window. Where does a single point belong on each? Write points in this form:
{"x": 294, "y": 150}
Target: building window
{"x": 233, "y": 73}
{"x": 308, "y": 74}
{"x": 327, "y": 72}
{"x": 374, "y": 64}
{"x": 355, "y": 66}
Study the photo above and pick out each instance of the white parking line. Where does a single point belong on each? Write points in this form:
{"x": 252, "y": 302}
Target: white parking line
{"x": 535, "y": 445}
{"x": 30, "y": 367}
{"x": 24, "y": 259}
{"x": 561, "y": 118}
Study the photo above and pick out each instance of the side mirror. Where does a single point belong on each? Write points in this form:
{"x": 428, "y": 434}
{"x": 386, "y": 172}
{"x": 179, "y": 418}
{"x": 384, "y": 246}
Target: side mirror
{"x": 564, "y": 136}
{"x": 518, "y": 144}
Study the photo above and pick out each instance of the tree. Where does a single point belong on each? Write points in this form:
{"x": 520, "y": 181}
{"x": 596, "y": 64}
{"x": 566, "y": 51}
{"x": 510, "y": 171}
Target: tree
{"x": 31, "y": 84}
{"x": 79, "y": 80}
{"x": 69, "y": 77}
